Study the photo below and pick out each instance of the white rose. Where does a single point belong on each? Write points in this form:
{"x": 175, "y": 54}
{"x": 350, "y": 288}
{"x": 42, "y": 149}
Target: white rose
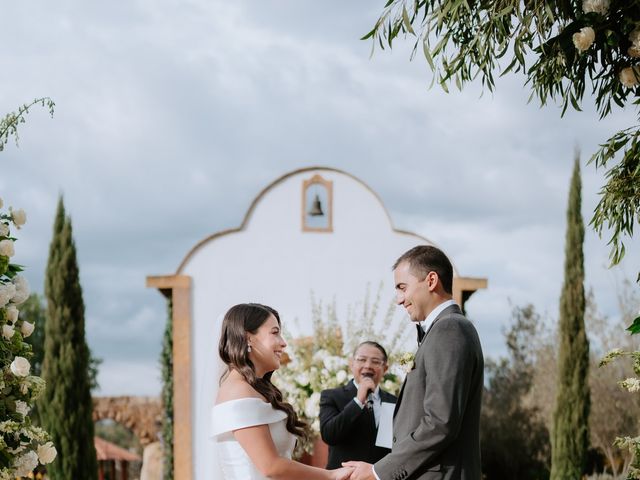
{"x": 598, "y": 6}
{"x": 22, "y": 289}
{"x": 4, "y": 229}
{"x": 25, "y": 464}
{"x": 584, "y": 38}
{"x": 6, "y": 248}
{"x": 315, "y": 425}
{"x": 26, "y": 328}
{"x": 22, "y": 408}
{"x": 8, "y": 331}
{"x": 12, "y": 313}
{"x": 47, "y": 453}
{"x": 312, "y": 405}
{"x": 20, "y": 367}
{"x": 7, "y": 291}
{"x": 629, "y": 76}
{"x": 341, "y": 376}
{"x": 302, "y": 379}
{"x": 19, "y": 217}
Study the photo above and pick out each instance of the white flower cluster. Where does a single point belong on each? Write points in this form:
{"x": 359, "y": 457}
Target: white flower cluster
{"x": 597, "y": 6}
{"x": 634, "y": 49}
{"x": 22, "y": 446}
{"x": 584, "y": 38}
{"x": 631, "y": 384}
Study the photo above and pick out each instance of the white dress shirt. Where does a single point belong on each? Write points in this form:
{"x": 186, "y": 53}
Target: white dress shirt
{"x": 426, "y": 323}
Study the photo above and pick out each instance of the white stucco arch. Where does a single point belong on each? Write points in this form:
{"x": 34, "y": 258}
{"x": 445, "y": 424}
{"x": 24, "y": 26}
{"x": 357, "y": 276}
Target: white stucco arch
{"x": 271, "y": 259}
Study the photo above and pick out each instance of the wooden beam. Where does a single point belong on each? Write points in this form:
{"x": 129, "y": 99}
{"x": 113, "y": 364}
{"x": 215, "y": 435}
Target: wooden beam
{"x": 178, "y": 288}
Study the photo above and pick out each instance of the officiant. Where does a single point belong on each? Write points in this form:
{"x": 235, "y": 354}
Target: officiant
{"x": 350, "y": 414}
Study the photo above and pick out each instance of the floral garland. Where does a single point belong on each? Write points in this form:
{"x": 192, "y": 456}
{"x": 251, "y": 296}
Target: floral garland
{"x": 22, "y": 445}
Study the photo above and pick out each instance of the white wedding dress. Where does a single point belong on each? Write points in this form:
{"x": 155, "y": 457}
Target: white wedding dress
{"x": 247, "y": 412}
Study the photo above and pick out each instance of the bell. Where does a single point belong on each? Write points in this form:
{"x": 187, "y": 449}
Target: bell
{"x": 316, "y": 208}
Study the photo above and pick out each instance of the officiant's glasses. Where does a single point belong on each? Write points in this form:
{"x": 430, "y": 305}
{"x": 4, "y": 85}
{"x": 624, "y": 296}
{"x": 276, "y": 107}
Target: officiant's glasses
{"x": 376, "y": 362}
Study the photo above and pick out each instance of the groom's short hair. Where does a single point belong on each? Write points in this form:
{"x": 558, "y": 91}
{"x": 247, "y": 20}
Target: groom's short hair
{"x": 427, "y": 258}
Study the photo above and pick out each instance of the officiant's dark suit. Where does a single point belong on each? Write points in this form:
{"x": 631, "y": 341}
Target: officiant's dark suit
{"x": 436, "y": 424}
{"x": 348, "y": 425}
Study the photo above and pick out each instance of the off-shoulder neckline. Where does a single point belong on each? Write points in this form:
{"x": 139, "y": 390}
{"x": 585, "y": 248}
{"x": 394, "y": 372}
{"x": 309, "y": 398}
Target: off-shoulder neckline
{"x": 241, "y": 400}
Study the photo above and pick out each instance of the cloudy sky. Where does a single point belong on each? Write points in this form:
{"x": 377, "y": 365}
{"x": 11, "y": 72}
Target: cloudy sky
{"x": 172, "y": 115}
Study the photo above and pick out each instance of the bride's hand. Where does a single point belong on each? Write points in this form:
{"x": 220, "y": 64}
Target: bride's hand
{"x": 341, "y": 473}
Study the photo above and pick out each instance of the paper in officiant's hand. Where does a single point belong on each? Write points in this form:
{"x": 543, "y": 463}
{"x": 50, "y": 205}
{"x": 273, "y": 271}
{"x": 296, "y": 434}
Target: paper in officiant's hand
{"x": 385, "y": 426}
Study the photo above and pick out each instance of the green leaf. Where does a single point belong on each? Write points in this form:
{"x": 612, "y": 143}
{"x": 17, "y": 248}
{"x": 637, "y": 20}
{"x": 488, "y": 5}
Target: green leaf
{"x": 635, "y": 326}
{"x": 406, "y": 21}
{"x": 427, "y": 54}
{"x": 370, "y": 34}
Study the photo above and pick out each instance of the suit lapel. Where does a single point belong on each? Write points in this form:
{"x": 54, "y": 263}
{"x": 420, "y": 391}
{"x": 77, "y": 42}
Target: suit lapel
{"x": 446, "y": 312}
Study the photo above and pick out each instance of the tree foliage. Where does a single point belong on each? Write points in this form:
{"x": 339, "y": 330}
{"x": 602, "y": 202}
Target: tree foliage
{"x": 570, "y": 435}
{"x": 66, "y": 407}
{"x": 614, "y": 412}
{"x": 9, "y": 124}
{"x": 514, "y": 438}
{"x": 563, "y": 48}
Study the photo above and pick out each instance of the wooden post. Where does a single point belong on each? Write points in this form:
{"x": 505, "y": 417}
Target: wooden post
{"x": 178, "y": 288}
{"x": 124, "y": 470}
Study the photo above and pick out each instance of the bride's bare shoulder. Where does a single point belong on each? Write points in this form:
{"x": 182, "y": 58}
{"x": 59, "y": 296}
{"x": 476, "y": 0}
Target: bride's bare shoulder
{"x": 234, "y": 387}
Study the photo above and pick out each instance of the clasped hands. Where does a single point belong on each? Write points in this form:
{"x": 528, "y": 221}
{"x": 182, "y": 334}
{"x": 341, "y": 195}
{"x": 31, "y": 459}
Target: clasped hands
{"x": 355, "y": 471}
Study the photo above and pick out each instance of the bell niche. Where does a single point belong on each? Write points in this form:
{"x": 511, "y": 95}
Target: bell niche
{"x": 317, "y": 205}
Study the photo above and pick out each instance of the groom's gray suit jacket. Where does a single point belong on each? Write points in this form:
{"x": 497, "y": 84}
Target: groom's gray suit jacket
{"x": 436, "y": 424}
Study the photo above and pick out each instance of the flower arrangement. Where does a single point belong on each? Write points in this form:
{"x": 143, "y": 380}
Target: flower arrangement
{"x": 632, "y": 385}
{"x": 22, "y": 445}
{"x": 609, "y": 28}
{"x": 320, "y": 361}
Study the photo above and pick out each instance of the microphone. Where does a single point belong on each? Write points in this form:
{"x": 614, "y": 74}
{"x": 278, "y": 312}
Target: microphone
{"x": 369, "y": 392}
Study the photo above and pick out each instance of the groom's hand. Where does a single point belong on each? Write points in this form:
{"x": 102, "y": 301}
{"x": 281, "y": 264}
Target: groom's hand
{"x": 361, "y": 470}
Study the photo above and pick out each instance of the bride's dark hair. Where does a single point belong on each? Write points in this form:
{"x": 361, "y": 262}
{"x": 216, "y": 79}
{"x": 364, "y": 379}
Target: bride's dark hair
{"x": 240, "y": 319}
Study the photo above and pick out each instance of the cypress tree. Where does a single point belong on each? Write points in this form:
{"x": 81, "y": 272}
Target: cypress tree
{"x": 66, "y": 407}
{"x": 570, "y": 436}
{"x": 166, "y": 362}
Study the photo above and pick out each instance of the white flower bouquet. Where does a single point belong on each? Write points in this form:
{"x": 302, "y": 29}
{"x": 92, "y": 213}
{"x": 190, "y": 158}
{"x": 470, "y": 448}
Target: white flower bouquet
{"x": 22, "y": 445}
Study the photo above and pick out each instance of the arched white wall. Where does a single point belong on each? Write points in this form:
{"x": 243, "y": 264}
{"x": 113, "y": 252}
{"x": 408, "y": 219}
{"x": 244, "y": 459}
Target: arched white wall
{"x": 273, "y": 261}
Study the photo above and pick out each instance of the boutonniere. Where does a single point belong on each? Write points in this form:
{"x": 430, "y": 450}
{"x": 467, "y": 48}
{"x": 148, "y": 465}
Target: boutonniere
{"x": 407, "y": 362}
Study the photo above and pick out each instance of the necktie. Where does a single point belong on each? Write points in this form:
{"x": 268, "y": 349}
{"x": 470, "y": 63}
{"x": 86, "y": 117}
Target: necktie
{"x": 420, "y": 332}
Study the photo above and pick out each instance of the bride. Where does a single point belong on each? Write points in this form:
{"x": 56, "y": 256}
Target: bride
{"x": 254, "y": 428}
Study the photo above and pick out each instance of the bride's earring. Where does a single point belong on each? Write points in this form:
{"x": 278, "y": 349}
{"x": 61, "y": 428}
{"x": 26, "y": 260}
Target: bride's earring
{"x": 248, "y": 348}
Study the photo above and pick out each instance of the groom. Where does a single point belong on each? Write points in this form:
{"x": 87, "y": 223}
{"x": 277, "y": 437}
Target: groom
{"x": 436, "y": 424}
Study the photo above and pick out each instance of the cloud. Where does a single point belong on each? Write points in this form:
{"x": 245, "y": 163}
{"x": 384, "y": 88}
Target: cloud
{"x": 172, "y": 116}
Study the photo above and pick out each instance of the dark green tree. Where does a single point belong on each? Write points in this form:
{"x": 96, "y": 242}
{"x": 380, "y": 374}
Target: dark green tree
{"x": 570, "y": 436}
{"x": 166, "y": 363}
{"x": 66, "y": 407}
{"x": 514, "y": 439}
